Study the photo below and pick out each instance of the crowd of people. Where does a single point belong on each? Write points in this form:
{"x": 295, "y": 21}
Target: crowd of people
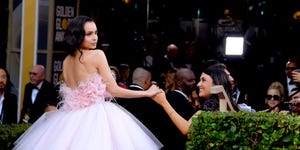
{"x": 145, "y": 106}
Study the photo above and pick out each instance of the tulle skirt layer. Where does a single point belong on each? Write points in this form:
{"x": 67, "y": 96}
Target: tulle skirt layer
{"x": 102, "y": 126}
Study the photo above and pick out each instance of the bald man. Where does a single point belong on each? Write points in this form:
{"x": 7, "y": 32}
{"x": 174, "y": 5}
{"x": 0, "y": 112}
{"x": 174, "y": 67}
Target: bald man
{"x": 185, "y": 81}
{"x": 145, "y": 109}
{"x": 39, "y": 95}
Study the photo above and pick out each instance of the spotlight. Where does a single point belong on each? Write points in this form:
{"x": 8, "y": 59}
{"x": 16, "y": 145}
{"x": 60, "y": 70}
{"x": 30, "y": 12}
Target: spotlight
{"x": 234, "y": 45}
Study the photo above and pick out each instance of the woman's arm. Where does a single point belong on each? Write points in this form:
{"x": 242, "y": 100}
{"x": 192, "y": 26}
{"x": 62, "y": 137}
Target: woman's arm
{"x": 182, "y": 124}
{"x": 102, "y": 66}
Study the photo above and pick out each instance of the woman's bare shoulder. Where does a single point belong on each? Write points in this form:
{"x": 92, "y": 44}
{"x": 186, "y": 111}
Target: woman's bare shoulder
{"x": 97, "y": 55}
{"x": 66, "y": 60}
{"x": 97, "y": 51}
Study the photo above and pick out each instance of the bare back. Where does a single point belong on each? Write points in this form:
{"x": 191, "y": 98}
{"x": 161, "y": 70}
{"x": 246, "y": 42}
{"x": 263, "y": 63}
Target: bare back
{"x": 79, "y": 68}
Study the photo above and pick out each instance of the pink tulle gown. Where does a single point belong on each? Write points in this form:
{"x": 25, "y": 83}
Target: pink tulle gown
{"x": 87, "y": 120}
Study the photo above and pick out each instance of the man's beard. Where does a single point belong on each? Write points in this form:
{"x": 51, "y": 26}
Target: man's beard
{"x": 2, "y": 86}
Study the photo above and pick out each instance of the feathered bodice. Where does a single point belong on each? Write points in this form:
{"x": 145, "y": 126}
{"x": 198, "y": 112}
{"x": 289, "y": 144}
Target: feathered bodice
{"x": 87, "y": 93}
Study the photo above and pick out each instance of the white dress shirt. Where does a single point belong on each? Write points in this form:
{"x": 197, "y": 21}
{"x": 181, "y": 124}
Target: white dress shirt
{"x": 290, "y": 86}
{"x": 1, "y": 106}
{"x": 35, "y": 92}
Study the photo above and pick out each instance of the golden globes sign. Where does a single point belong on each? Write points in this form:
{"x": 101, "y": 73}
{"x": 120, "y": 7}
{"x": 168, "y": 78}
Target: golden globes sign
{"x": 63, "y": 14}
{"x": 64, "y": 11}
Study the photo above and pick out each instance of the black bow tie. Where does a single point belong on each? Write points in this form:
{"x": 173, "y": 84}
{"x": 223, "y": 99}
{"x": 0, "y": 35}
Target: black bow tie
{"x": 35, "y": 88}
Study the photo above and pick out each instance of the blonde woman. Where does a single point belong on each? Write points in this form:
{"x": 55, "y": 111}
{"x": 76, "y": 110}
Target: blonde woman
{"x": 275, "y": 94}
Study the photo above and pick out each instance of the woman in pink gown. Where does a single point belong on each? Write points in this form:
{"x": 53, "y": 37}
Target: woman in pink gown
{"x": 86, "y": 118}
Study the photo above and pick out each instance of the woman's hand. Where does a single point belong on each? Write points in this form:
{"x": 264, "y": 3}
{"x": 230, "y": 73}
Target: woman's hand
{"x": 160, "y": 98}
{"x": 50, "y": 108}
{"x": 153, "y": 90}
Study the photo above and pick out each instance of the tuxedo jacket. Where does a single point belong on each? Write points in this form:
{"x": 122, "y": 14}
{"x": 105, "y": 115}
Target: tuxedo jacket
{"x": 9, "y": 113}
{"x": 181, "y": 105}
{"x": 149, "y": 113}
{"x": 45, "y": 96}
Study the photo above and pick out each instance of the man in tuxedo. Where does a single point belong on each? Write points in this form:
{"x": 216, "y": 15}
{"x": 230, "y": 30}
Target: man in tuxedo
{"x": 185, "y": 81}
{"x": 145, "y": 109}
{"x": 291, "y": 65}
{"x": 39, "y": 95}
{"x": 8, "y": 101}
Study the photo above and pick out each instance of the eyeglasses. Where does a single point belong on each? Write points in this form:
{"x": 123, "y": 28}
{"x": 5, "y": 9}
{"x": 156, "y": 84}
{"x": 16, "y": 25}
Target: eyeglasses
{"x": 275, "y": 97}
{"x": 33, "y": 73}
{"x": 290, "y": 68}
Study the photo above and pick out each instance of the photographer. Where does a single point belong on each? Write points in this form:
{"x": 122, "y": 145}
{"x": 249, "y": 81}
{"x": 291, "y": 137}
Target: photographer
{"x": 296, "y": 76}
{"x": 295, "y": 101}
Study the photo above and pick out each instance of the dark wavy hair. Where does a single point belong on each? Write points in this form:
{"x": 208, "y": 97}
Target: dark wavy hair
{"x": 219, "y": 77}
{"x": 74, "y": 34}
{"x": 8, "y": 82}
